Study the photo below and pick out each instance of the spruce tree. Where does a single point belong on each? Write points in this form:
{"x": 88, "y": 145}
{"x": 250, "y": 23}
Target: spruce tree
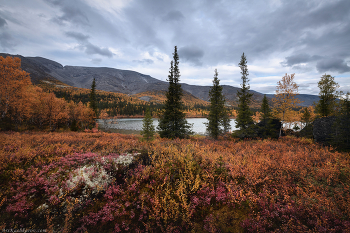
{"x": 172, "y": 122}
{"x": 308, "y": 125}
{"x": 341, "y": 137}
{"x": 266, "y": 126}
{"x": 93, "y": 101}
{"x": 148, "y": 127}
{"x": 244, "y": 118}
{"x": 265, "y": 109}
{"x": 218, "y": 121}
{"x": 328, "y": 96}
{"x": 306, "y": 117}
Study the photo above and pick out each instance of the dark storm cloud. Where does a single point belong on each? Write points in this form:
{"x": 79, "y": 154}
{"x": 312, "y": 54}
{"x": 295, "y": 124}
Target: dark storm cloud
{"x": 144, "y": 61}
{"x": 191, "y": 54}
{"x": 2, "y": 22}
{"x": 332, "y": 64}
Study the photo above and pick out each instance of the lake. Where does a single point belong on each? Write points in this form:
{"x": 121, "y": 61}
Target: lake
{"x": 134, "y": 125}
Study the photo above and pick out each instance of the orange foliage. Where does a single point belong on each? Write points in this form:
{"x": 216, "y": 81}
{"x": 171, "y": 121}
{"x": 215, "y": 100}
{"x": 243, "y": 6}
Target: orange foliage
{"x": 21, "y": 103}
{"x": 256, "y": 116}
{"x": 13, "y": 92}
{"x": 199, "y": 184}
{"x": 284, "y": 99}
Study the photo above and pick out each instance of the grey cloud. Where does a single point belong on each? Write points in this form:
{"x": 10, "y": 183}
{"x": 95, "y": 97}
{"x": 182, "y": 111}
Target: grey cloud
{"x": 144, "y": 61}
{"x": 87, "y": 46}
{"x": 307, "y": 31}
{"x": 173, "y": 16}
{"x": 332, "y": 64}
{"x": 93, "y": 49}
{"x": 7, "y": 41}
{"x": 78, "y": 36}
{"x": 191, "y": 54}
{"x": 2, "y": 22}
{"x": 74, "y": 15}
{"x": 300, "y": 58}
{"x": 55, "y": 2}
{"x": 71, "y": 12}
{"x": 96, "y": 61}
{"x": 303, "y": 68}
{"x": 332, "y": 11}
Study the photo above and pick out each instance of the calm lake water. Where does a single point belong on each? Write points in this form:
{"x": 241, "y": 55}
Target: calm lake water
{"x": 134, "y": 125}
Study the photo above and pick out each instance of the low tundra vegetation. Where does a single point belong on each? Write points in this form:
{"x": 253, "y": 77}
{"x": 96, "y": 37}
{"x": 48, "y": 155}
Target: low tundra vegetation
{"x": 99, "y": 182}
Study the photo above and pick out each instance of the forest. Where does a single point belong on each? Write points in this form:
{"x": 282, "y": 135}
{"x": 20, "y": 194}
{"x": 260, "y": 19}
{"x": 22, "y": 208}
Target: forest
{"x": 60, "y": 173}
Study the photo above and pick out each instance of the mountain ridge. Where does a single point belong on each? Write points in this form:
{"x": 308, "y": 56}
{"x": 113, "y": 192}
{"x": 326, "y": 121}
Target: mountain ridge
{"x": 125, "y": 81}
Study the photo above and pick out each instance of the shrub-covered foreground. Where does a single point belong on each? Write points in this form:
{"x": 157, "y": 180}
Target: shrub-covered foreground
{"x": 85, "y": 182}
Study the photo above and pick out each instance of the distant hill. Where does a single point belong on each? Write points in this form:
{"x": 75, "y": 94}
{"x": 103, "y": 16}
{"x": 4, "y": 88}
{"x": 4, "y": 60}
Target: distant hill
{"x": 126, "y": 81}
{"x": 307, "y": 100}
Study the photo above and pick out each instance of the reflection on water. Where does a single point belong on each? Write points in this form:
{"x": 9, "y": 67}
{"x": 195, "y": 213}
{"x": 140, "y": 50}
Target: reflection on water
{"x": 134, "y": 125}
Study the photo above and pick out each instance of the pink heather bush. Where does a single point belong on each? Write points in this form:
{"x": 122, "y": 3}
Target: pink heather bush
{"x": 76, "y": 177}
{"x": 194, "y": 185}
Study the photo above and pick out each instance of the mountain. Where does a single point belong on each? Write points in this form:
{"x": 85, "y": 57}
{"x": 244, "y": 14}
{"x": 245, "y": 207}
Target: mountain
{"x": 124, "y": 81}
{"x": 306, "y": 99}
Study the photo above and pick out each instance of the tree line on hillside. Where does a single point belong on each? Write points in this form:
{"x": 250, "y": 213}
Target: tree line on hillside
{"x": 118, "y": 104}
{"x": 113, "y": 104}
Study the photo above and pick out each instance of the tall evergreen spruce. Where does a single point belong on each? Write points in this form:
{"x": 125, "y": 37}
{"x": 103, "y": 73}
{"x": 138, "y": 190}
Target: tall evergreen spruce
{"x": 325, "y": 106}
{"x": 218, "y": 121}
{"x": 306, "y": 117}
{"x": 172, "y": 122}
{"x": 265, "y": 109}
{"x": 244, "y": 118}
{"x": 266, "y": 125}
{"x": 148, "y": 127}
{"x": 341, "y": 138}
{"x": 93, "y": 101}
{"x": 308, "y": 128}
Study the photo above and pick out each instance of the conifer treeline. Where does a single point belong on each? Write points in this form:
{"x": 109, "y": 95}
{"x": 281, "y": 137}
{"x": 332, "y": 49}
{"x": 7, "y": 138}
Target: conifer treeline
{"x": 117, "y": 104}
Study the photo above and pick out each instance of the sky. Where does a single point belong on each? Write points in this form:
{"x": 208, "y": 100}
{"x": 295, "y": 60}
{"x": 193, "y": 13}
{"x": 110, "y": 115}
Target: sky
{"x": 278, "y": 37}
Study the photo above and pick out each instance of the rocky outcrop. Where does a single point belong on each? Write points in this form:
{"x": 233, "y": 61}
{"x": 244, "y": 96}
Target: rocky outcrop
{"x": 323, "y": 129}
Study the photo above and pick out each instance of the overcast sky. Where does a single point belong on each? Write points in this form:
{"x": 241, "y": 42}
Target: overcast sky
{"x": 308, "y": 38}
